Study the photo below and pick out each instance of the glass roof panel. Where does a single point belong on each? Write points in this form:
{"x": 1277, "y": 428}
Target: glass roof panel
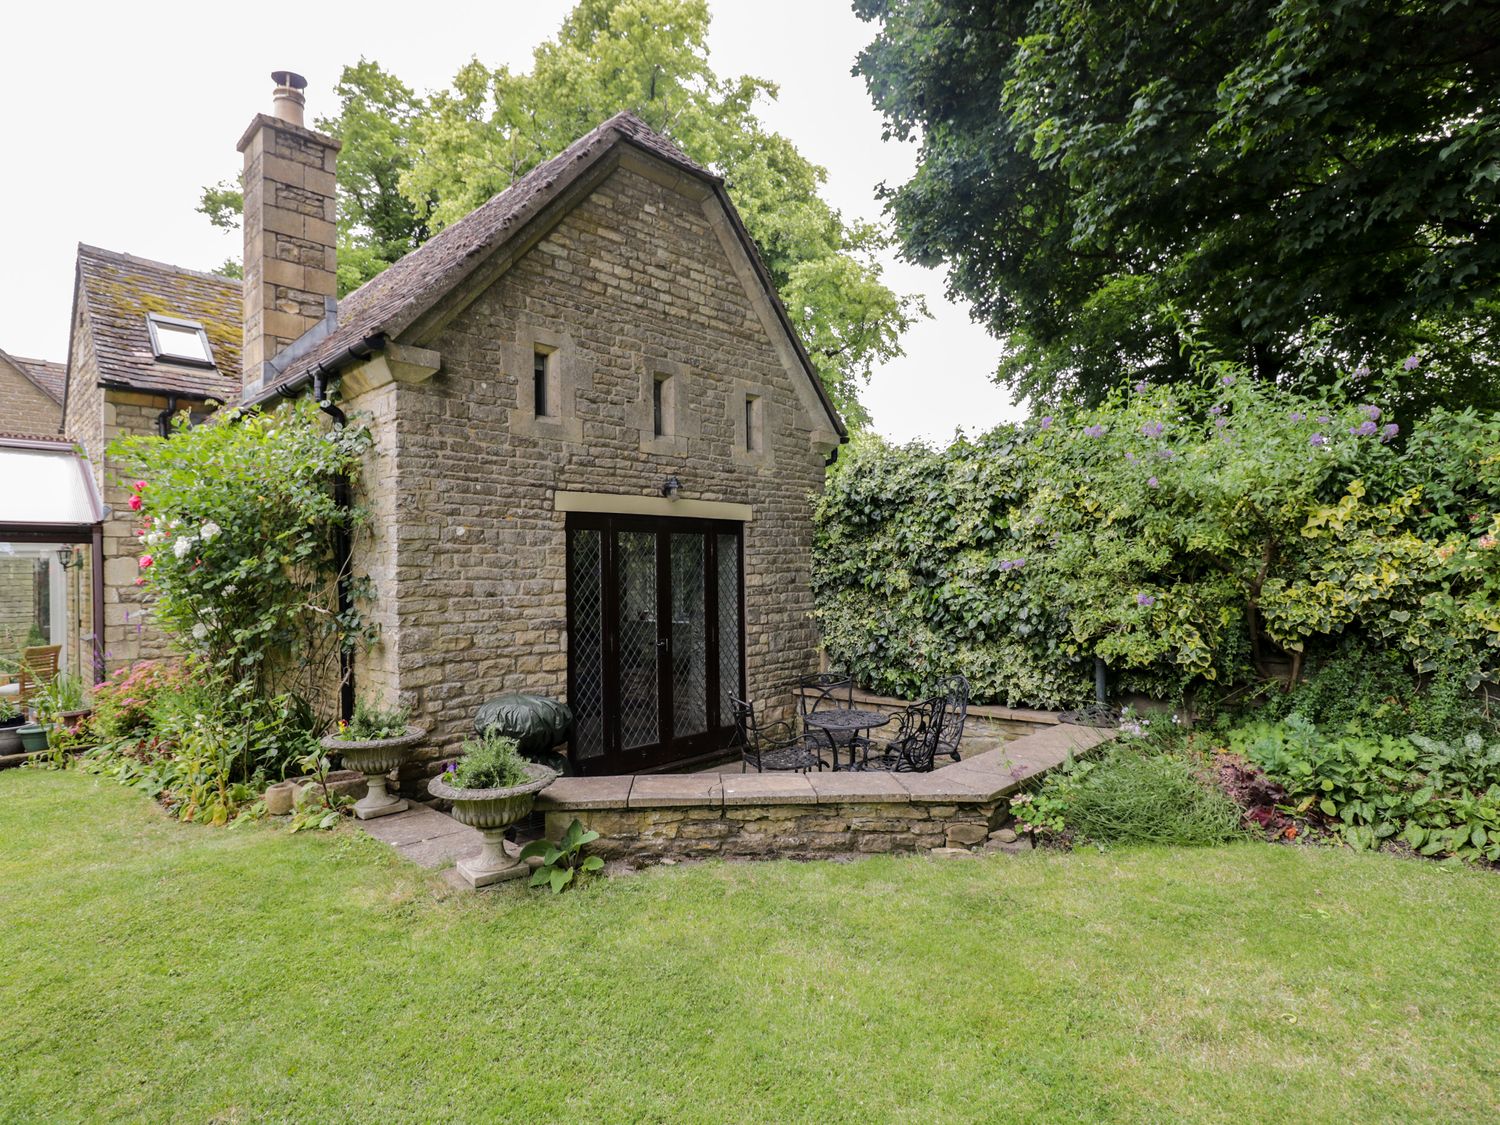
{"x": 176, "y": 342}
{"x": 45, "y": 486}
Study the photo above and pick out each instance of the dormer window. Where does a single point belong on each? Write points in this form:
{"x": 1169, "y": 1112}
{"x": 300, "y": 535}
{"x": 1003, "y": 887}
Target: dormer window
{"x": 179, "y": 341}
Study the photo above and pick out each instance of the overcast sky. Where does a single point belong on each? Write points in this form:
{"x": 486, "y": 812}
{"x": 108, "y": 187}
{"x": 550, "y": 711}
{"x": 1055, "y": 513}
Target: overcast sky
{"x": 120, "y": 113}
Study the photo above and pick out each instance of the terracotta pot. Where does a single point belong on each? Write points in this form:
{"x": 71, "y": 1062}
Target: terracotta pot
{"x": 492, "y": 811}
{"x": 375, "y": 758}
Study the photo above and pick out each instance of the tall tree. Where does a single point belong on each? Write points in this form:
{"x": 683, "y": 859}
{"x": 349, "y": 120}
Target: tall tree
{"x": 1273, "y": 180}
{"x": 411, "y": 165}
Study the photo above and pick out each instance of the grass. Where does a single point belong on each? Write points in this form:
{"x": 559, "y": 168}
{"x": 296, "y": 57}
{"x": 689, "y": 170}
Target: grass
{"x": 160, "y": 971}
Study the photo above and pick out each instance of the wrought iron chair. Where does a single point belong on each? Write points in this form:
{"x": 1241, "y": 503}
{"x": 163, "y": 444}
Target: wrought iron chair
{"x": 955, "y": 693}
{"x": 771, "y": 746}
{"x": 916, "y": 741}
{"x": 825, "y": 691}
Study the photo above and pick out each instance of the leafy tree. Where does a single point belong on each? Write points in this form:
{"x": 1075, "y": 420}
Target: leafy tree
{"x": 1292, "y": 179}
{"x": 412, "y": 165}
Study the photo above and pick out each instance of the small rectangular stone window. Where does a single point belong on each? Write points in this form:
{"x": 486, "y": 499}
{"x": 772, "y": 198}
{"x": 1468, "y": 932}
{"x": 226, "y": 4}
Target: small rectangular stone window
{"x": 662, "y": 422}
{"x": 754, "y": 424}
{"x": 541, "y": 382}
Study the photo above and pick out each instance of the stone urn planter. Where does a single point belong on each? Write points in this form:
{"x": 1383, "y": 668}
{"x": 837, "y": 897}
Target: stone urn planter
{"x": 492, "y": 811}
{"x": 376, "y": 758}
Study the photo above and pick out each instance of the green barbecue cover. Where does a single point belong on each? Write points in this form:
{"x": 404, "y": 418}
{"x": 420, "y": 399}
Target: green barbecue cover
{"x": 534, "y": 721}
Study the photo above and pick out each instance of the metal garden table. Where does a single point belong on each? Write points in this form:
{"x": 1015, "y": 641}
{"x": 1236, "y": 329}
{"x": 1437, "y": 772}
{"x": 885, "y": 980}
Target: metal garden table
{"x": 834, "y": 722}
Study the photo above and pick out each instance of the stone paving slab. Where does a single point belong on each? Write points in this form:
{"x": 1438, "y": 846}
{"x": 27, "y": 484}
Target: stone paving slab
{"x": 943, "y": 788}
{"x": 440, "y": 850}
{"x": 612, "y": 792}
{"x": 665, "y": 790}
{"x": 416, "y": 824}
{"x": 777, "y": 788}
{"x": 850, "y": 786}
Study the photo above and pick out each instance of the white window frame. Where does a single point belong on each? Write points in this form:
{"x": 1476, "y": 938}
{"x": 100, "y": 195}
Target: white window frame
{"x": 154, "y": 319}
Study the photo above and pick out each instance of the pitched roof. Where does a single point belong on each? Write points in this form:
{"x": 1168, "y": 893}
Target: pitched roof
{"x": 119, "y": 290}
{"x": 48, "y": 375}
{"x": 394, "y": 299}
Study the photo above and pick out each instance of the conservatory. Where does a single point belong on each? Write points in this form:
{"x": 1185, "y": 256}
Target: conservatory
{"x": 51, "y": 568}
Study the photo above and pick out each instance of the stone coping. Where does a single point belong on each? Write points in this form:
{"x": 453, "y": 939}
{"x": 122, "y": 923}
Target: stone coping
{"x": 983, "y": 778}
{"x": 982, "y": 710}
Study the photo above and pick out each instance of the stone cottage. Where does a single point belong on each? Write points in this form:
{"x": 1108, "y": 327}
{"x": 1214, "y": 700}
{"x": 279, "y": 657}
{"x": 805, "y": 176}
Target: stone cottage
{"x": 597, "y": 438}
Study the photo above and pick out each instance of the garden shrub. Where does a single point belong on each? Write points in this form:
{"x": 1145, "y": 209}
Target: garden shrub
{"x": 1375, "y": 690}
{"x": 240, "y": 524}
{"x": 1193, "y": 537}
{"x": 1130, "y": 794}
{"x": 491, "y": 762}
{"x": 1441, "y": 798}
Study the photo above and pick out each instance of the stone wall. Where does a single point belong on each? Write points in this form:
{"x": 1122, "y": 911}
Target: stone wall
{"x": 17, "y": 601}
{"x": 24, "y": 407}
{"x": 803, "y": 816}
{"x": 783, "y": 831}
{"x": 468, "y": 549}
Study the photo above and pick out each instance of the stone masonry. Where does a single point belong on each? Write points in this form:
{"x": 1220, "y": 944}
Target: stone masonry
{"x": 289, "y": 236}
{"x": 806, "y": 816}
{"x": 24, "y": 407}
{"x": 466, "y": 547}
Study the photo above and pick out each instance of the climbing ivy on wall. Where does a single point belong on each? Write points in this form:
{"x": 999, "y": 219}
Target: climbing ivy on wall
{"x": 1191, "y": 536}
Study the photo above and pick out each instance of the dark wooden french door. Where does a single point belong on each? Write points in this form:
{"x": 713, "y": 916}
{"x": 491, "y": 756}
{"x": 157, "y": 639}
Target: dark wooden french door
{"x": 655, "y": 638}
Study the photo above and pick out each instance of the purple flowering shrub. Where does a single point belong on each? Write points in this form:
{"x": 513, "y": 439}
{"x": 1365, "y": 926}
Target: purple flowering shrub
{"x": 1185, "y": 534}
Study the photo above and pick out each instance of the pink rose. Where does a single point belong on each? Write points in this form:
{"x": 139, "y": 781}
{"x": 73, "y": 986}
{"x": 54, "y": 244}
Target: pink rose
{"x": 146, "y": 560}
{"x": 135, "y": 503}
{"x": 139, "y": 485}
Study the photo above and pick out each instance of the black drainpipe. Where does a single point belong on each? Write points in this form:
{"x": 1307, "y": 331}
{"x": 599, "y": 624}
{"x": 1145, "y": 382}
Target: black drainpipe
{"x": 343, "y": 549}
{"x": 164, "y": 419}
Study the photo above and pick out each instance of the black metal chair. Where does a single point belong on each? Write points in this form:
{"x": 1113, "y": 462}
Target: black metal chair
{"x": 915, "y": 744}
{"x": 825, "y": 691}
{"x": 771, "y": 746}
{"x": 955, "y": 693}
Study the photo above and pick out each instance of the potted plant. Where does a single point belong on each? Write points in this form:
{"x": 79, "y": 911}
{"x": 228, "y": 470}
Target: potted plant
{"x": 63, "y": 702}
{"x": 10, "y": 723}
{"x": 491, "y": 788}
{"x": 374, "y": 742}
{"x": 33, "y": 737}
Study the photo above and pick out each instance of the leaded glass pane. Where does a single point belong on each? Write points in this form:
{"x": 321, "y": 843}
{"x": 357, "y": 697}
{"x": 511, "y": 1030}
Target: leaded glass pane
{"x": 689, "y": 637}
{"x": 587, "y": 584}
{"x": 639, "y": 725}
{"x": 729, "y": 622}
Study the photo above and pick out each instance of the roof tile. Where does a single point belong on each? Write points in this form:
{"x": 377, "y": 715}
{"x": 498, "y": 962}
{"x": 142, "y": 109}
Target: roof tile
{"x": 119, "y": 291}
{"x": 390, "y": 301}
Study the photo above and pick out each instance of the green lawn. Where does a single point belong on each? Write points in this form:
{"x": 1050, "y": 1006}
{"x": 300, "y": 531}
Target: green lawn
{"x": 158, "y": 971}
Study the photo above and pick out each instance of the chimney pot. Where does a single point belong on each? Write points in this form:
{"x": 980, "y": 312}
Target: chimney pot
{"x": 287, "y": 100}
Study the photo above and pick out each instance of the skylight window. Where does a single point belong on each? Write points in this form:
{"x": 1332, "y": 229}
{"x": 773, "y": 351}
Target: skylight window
{"x": 179, "y": 341}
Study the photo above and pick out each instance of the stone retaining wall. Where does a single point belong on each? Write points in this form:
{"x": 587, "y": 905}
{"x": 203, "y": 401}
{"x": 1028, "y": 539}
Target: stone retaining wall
{"x": 795, "y": 815}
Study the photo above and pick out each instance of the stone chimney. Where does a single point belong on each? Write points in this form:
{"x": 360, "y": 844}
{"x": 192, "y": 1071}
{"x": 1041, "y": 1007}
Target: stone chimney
{"x": 289, "y": 229}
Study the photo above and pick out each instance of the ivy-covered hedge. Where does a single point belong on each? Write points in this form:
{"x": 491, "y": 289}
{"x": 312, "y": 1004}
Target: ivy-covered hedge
{"x": 1190, "y": 537}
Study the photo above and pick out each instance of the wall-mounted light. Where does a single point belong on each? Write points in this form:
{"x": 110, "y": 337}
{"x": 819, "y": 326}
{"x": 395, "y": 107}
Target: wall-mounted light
{"x": 69, "y": 556}
{"x": 671, "y": 487}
